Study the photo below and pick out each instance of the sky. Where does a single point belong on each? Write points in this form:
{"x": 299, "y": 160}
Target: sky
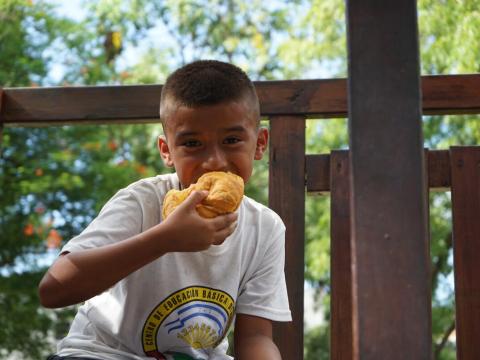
{"x": 71, "y": 8}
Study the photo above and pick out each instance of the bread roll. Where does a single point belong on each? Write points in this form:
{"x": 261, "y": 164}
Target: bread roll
{"x": 225, "y": 192}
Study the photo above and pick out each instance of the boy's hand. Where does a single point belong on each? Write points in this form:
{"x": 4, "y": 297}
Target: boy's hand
{"x": 190, "y": 232}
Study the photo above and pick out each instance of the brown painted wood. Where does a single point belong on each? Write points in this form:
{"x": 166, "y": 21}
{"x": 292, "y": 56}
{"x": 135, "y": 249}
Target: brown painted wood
{"x": 60, "y": 105}
{"x": 318, "y": 180}
{"x": 389, "y": 219}
{"x": 1, "y": 122}
{"x": 444, "y": 94}
{"x": 466, "y": 249}
{"x": 438, "y": 168}
{"x": 287, "y": 198}
{"x": 341, "y": 331}
{"x": 428, "y": 161}
{"x": 318, "y": 173}
{"x": 310, "y": 98}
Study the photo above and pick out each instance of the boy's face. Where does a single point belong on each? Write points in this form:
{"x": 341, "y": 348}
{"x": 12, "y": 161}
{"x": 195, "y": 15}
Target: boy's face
{"x": 222, "y": 137}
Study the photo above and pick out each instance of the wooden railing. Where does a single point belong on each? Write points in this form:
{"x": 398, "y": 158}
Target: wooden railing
{"x": 329, "y": 173}
{"x": 288, "y": 105}
{"x": 456, "y": 170}
{"x": 443, "y": 94}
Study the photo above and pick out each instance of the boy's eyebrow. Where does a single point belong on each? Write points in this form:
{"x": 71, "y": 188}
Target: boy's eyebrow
{"x": 238, "y": 128}
{"x": 186, "y": 133}
{"x": 181, "y": 134}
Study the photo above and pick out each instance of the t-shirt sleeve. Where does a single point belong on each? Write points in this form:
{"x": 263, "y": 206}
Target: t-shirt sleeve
{"x": 119, "y": 219}
{"x": 265, "y": 292}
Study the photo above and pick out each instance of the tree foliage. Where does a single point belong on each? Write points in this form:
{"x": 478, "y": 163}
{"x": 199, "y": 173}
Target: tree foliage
{"x": 27, "y": 31}
{"x": 55, "y": 179}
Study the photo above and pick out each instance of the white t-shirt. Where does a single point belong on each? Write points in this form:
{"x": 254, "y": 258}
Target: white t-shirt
{"x": 181, "y": 305}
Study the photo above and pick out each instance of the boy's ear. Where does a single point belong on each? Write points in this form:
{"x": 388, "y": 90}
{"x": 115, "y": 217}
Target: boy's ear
{"x": 164, "y": 151}
{"x": 262, "y": 143}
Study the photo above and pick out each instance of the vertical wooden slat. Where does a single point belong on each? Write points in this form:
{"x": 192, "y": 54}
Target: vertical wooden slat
{"x": 1, "y": 122}
{"x": 341, "y": 339}
{"x": 429, "y": 162}
{"x": 465, "y": 167}
{"x": 287, "y": 198}
{"x": 438, "y": 165}
{"x": 389, "y": 220}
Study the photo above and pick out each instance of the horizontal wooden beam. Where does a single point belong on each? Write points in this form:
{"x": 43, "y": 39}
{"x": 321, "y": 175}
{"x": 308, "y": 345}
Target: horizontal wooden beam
{"x": 443, "y": 94}
{"x": 318, "y": 171}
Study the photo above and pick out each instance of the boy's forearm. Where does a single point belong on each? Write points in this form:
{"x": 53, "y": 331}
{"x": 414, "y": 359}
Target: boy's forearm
{"x": 76, "y": 277}
{"x": 257, "y": 347}
{"x": 79, "y": 276}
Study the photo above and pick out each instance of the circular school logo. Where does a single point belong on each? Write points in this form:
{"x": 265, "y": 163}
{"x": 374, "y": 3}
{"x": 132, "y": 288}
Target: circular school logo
{"x": 195, "y": 317}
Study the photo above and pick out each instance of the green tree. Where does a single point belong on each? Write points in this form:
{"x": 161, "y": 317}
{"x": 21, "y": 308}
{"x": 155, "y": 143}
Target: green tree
{"x": 21, "y": 45}
{"x": 27, "y": 31}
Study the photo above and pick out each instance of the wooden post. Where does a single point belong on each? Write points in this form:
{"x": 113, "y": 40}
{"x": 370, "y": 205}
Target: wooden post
{"x": 287, "y": 198}
{"x": 341, "y": 330}
{"x": 1, "y": 122}
{"x": 465, "y": 164}
{"x": 391, "y": 307}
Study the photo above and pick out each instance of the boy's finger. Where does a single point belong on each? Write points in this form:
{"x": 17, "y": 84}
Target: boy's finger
{"x": 195, "y": 198}
{"x": 224, "y": 233}
{"x": 224, "y": 221}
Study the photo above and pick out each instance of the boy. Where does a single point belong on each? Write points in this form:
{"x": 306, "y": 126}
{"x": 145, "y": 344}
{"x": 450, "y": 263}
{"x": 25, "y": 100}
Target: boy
{"x": 169, "y": 289}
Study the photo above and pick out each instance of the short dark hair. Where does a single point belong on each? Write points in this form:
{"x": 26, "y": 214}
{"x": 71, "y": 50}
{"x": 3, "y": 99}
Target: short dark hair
{"x": 206, "y": 82}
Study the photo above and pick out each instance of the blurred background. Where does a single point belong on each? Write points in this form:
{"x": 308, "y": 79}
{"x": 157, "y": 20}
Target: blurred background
{"x": 54, "y": 180}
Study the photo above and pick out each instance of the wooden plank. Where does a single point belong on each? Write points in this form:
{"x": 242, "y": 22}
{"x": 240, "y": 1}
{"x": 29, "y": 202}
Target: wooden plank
{"x": 1, "y": 122}
{"x": 428, "y": 161}
{"x": 438, "y": 166}
{"x": 466, "y": 247}
{"x": 451, "y": 94}
{"x": 389, "y": 219}
{"x": 442, "y": 94}
{"x": 287, "y": 198}
{"x": 62, "y": 105}
{"x": 341, "y": 330}
{"x": 310, "y": 98}
{"x": 318, "y": 173}
{"x": 438, "y": 169}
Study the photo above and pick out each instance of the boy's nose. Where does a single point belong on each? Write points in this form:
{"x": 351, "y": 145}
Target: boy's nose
{"x": 215, "y": 161}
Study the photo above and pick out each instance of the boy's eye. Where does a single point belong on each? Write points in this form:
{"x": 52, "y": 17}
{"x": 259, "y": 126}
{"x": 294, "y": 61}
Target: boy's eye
{"x": 231, "y": 140}
{"x": 191, "y": 143}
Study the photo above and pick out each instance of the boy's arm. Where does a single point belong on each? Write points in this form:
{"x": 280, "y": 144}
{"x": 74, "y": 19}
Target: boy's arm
{"x": 78, "y": 276}
{"x": 253, "y": 339}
